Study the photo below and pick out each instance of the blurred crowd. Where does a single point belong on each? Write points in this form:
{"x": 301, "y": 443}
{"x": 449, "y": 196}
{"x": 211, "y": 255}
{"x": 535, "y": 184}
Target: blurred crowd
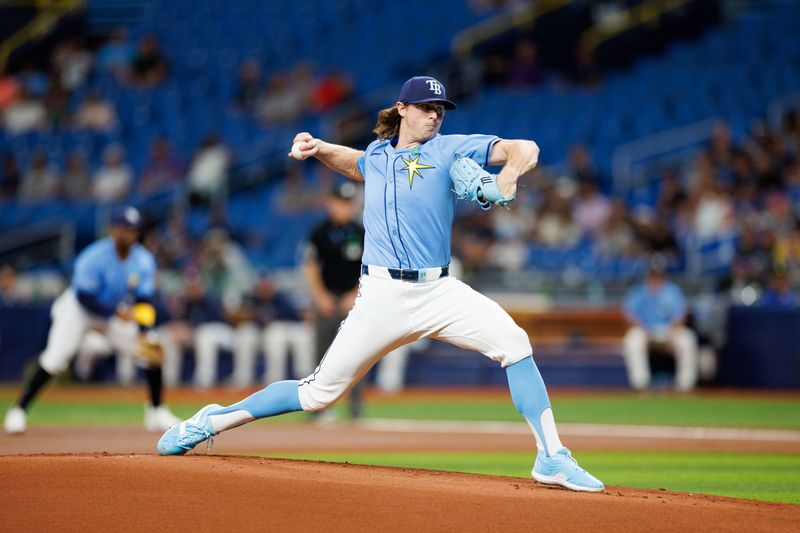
{"x": 746, "y": 191}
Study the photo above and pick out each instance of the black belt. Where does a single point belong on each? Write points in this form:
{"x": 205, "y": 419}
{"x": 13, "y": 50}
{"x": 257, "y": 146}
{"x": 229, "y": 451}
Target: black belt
{"x": 405, "y": 274}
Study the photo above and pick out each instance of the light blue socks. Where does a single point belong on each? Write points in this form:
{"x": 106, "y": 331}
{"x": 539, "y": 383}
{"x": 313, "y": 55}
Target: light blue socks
{"x": 530, "y": 398}
{"x": 276, "y": 399}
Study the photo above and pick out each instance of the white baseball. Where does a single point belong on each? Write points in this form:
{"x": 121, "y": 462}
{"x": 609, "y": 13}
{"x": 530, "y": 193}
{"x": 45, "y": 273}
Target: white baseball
{"x": 296, "y": 150}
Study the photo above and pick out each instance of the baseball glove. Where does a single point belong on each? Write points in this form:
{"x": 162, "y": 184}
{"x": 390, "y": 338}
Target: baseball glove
{"x": 149, "y": 350}
{"x": 474, "y": 184}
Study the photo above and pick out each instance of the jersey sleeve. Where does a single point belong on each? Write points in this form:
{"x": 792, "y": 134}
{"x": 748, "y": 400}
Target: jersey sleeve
{"x": 477, "y": 147}
{"x": 361, "y": 164}
{"x": 147, "y": 286}
{"x": 86, "y": 277}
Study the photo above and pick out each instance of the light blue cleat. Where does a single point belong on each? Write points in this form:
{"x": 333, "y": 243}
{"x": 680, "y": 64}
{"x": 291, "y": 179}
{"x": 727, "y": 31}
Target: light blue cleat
{"x": 562, "y": 469}
{"x": 182, "y": 437}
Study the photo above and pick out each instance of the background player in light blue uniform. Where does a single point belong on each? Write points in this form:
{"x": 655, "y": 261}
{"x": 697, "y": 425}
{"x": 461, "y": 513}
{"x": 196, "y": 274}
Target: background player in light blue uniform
{"x": 113, "y": 278}
{"x": 406, "y": 292}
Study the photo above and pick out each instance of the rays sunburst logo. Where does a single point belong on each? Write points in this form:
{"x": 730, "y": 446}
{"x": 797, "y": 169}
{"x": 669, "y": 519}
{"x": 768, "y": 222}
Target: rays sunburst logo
{"x": 413, "y": 167}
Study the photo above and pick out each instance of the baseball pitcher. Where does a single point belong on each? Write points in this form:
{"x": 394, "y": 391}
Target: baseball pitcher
{"x": 413, "y": 177}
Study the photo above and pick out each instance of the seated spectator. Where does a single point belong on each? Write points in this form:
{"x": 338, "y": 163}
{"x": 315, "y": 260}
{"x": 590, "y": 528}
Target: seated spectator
{"x": 24, "y": 114}
{"x": 9, "y": 296}
{"x": 208, "y": 171}
{"x": 525, "y": 69}
{"x": 268, "y": 320}
{"x": 77, "y": 181}
{"x": 73, "y": 64}
{"x": 10, "y": 179}
{"x": 656, "y": 311}
{"x": 556, "y": 226}
{"x": 149, "y": 66}
{"x": 779, "y": 292}
{"x": 592, "y": 209}
{"x": 250, "y": 85}
{"x": 9, "y": 90}
{"x": 116, "y": 55}
{"x": 56, "y": 103}
{"x": 225, "y": 268}
{"x": 112, "y": 181}
{"x": 33, "y": 80}
{"x": 286, "y": 97}
{"x": 163, "y": 171}
{"x": 40, "y": 182}
{"x": 96, "y": 114}
{"x": 617, "y": 238}
{"x": 330, "y": 90}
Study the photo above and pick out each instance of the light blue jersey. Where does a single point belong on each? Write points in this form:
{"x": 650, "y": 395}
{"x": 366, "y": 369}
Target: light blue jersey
{"x": 100, "y": 272}
{"x": 655, "y": 310}
{"x": 409, "y": 199}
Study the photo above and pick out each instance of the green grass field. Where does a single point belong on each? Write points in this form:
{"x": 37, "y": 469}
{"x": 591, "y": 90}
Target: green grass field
{"x": 771, "y": 477}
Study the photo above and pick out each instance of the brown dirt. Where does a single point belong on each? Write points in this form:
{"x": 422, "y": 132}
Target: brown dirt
{"x": 91, "y": 492}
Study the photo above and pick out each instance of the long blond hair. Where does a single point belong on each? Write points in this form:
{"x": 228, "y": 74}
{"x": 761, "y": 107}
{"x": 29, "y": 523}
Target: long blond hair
{"x": 388, "y": 125}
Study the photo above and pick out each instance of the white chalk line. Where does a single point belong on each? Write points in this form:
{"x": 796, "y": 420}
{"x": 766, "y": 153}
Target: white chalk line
{"x": 584, "y": 430}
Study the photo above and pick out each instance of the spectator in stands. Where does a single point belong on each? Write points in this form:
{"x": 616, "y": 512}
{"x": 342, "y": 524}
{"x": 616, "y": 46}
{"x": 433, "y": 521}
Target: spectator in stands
{"x": 72, "y": 63}
{"x": 584, "y": 69}
{"x": 786, "y": 252}
{"x": 96, "y": 114}
{"x": 208, "y": 171}
{"x": 9, "y": 89}
{"x": 581, "y": 165}
{"x": 556, "y": 226}
{"x": 712, "y": 216}
{"x": 592, "y": 208}
{"x": 112, "y": 181}
{"x": 287, "y": 96}
{"x": 56, "y": 103}
{"x": 8, "y": 287}
{"x": 33, "y": 80}
{"x": 268, "y": 320}
{"x": 250, "y": 85}
{"x": 116, "y": 55}
{"x": 525, "y": 69}
{"x": 617, "y": 238}
{"x": 656, "y": 311}
{"x": 779, "y": 291}
{"x": 149, "y": 66}
{"x": 24, "y": 114}
{"x": 163, "y": 170}
{"x": 172, "y": 245}
{"x": 11, "y": 178}
{"x": 224, "y": 268}
{"x": 40, "y": 182}
{"x": 330, "y": 90}
{"x": 77, "y": 182}
{"x": 671, "y": 194}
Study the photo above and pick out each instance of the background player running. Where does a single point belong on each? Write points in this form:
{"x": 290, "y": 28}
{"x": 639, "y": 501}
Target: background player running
{"x": 406, "y": 292}
{"x": 111, "y": 292}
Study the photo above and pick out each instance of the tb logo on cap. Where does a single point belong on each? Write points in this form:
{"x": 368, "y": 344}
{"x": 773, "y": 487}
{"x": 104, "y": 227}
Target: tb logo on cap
{"x": 434, "y": 86}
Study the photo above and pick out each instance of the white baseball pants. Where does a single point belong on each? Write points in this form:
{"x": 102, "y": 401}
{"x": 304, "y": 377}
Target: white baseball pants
{"x": 275, "y": 341}
{"x": 390, "y": 313}
{"x": 682, "y": 342}
{"x": 70, "y": 324}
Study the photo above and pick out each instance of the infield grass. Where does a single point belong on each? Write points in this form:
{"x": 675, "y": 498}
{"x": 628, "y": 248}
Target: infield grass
{"x": 768, "y": 477}
{"x": 59, "y": 407}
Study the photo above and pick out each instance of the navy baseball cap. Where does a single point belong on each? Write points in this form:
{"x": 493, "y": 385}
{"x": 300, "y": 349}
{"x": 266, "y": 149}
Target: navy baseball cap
{"x": 126, "y": 216}
{"x": 421, "y": 89}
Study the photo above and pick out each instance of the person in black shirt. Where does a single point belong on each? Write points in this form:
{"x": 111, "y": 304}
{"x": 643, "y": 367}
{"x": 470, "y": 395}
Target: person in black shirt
{"x": 332, "y": 267}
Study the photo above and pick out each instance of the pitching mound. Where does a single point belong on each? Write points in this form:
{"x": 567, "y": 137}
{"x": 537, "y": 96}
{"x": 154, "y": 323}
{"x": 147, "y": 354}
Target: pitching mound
{"x": 203, "y": 493}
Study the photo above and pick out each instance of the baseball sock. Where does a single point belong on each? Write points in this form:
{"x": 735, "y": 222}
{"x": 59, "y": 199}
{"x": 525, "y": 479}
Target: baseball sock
{"x": 154, "y": 384}
{"x": 278, "y": 398}
{"x": 530, "y": 398}
{"x": 39, "y": 379}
